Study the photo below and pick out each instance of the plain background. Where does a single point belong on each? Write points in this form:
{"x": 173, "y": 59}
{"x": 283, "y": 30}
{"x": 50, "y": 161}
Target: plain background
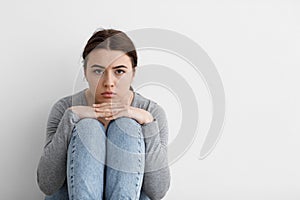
{"x": 253, "y": 43}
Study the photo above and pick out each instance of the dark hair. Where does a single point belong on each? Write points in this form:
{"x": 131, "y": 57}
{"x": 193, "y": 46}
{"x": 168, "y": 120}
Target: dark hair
{"x": 110, "y": 39}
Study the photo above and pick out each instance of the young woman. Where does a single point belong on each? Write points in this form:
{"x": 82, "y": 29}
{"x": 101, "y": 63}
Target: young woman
{"x": 106, "y": 141}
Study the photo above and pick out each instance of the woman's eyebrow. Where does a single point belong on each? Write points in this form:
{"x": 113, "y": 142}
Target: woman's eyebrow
{"x": 119, "y": 66}
{"x": 99, "y": 66}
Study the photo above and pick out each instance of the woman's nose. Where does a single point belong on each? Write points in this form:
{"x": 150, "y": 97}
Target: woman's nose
{"x": 108, "y": 85}
{"x": 108, "y": 80}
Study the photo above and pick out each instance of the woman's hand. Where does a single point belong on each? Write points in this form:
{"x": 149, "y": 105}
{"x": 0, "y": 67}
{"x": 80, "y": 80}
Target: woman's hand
{"x": 110, "y": 111}
{"x": 84, "y": 111}
{"x": 89, "y": 112}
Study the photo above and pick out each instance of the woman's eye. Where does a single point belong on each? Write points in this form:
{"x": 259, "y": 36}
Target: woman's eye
{"x": 97, "y": 71}
{"x": 119, "y": 71}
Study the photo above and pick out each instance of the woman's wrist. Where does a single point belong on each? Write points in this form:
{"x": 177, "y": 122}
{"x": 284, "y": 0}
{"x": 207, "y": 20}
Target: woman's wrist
{"x": 141, "y": 116}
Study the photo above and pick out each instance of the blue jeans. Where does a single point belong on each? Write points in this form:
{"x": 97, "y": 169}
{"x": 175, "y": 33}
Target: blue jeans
{"x": 104, "y": 164}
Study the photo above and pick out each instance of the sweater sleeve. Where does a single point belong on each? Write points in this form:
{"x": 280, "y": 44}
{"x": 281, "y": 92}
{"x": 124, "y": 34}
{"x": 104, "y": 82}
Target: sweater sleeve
{"x": 156, "y": 181}
{"x": 51, "y": 170}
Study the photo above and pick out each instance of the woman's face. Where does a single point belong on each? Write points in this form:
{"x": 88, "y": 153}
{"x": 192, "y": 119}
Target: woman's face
{"x": 109, "y": 74}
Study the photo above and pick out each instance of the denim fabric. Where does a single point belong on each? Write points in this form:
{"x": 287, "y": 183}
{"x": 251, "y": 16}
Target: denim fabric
{"x": 104, "y": 164}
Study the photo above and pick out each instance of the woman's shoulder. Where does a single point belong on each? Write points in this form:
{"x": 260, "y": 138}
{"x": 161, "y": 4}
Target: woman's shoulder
{"x": 145, "y": 103}
{"x": 65, "y": 102}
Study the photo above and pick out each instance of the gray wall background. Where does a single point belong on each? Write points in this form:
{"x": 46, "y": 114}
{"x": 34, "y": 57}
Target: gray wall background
{"x": 254, "y": 45}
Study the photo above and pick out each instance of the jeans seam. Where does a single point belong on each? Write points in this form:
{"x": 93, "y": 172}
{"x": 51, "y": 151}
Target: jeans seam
{"x": 72, "y": 177}
{"x": 139, "y": 161}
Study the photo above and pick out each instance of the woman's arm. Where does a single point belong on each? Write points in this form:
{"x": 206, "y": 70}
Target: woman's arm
{"x": 156, "y": 181}
{"x": 51, "y": 171}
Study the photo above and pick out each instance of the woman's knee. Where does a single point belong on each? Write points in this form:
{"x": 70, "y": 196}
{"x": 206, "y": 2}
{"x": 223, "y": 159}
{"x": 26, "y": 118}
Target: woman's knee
{"x": 126, "y": 125}
{"x": 91, "y": 133}
{"x": 88, "y": 127}
{"x": 125, "y": 145}
{"x": 126, "y": 133}
{"x": 89, "y": 124}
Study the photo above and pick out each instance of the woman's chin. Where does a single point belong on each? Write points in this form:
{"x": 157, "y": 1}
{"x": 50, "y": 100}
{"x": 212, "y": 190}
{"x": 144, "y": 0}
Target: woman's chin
{"x": 105, "y": 100}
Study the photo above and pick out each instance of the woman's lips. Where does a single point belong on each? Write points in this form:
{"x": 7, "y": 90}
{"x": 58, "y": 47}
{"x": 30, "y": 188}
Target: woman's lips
{"x": 108, "y": 94}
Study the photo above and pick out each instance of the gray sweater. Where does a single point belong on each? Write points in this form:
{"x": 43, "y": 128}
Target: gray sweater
{"x": 51, "y": 170}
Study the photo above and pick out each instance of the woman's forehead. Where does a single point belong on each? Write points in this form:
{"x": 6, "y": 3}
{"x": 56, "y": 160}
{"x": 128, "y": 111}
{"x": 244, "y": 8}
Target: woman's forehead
{"x": 108, "y": 58}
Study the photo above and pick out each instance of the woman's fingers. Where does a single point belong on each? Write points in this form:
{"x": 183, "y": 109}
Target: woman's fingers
{"x": 115, "y": 116}
{"x": 101, "y": 105}
{"x": 108, "y": 109}
{"x": 124, "y": 112}
{"x": 109, "y": 112}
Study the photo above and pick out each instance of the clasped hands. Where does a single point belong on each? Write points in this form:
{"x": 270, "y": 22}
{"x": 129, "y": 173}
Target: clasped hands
{"x": 106, "y": 112}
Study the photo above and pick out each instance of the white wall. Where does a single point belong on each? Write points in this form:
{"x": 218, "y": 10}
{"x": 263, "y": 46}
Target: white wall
{"x": 253, "y": 43}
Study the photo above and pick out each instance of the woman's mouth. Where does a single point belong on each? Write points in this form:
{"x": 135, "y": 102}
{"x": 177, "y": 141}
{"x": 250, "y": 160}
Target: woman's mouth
{"x": 108, "y": 94}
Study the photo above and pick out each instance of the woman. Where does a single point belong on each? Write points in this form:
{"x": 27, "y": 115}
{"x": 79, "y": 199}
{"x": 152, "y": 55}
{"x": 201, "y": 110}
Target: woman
{"x": 106, "y": 141}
